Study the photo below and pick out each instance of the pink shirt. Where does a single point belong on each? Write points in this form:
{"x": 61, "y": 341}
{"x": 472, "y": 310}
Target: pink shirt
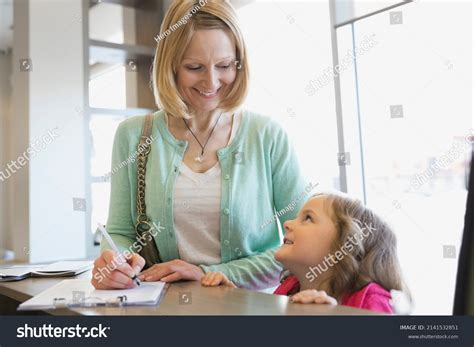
{"x": 371, "y": 297}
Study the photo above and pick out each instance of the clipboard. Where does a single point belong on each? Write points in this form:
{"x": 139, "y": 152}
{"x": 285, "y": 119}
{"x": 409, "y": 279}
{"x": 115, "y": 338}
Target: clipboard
{"x": 80, "y": 293}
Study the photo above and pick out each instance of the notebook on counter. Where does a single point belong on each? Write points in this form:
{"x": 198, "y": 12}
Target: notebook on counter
{"x": 58, "y": 269}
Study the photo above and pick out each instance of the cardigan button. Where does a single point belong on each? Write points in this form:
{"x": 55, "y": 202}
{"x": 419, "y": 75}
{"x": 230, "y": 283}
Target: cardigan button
{"x": 226, "y": 177}
{"x": 226, "y": 211}
{"x": 226, "y": 242}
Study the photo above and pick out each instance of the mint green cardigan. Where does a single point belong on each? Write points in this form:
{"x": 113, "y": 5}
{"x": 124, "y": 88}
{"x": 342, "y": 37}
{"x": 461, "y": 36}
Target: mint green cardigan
{"x": 260, "y": 176}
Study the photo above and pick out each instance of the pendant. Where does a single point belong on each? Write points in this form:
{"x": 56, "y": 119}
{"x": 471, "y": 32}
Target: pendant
{"x": 199, "y": 158}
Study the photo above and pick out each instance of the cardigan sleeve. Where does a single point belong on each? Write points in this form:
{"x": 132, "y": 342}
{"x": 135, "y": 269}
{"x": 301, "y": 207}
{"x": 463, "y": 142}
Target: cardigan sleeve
{"x": 254, "y": 272}
{"x": 120, "y": 222}
{"x": 289, "y": 189}
{"x": 262, "y": 270}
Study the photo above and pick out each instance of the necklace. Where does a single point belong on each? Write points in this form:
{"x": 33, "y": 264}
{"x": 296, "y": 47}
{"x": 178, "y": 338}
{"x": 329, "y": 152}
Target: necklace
{"x": 200, "y": 158}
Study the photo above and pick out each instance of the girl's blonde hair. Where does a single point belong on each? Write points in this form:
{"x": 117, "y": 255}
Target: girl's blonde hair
{"x": 182, "y": 20}
{"x": 372, "y": 259}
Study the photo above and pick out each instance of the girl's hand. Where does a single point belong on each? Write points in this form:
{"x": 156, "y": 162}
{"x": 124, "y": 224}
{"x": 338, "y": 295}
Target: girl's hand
{"x": 313, "y": 296}
{"x": 172, "y": 271}
{"x": 214, "y": 279}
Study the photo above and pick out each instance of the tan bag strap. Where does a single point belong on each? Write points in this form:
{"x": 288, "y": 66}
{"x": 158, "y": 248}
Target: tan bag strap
{"x": 143, "y": 223}
{"x": 143, "y": 151}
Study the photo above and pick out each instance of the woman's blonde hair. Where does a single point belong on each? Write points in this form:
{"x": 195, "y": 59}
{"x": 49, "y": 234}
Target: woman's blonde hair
{"x": 182, "y": 20}
{"x": 373, "y": 257}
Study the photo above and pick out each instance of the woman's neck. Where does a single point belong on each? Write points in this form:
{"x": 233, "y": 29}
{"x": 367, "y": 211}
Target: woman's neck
{"x": 200, "y": 122}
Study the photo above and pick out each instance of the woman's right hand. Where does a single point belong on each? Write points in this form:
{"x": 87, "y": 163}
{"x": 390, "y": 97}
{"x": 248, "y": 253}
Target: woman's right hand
{"x": 115, "y": 272}
{"x": 214, "y": 279}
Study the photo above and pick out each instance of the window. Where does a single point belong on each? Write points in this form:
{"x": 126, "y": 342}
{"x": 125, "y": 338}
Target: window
{"x": 288, "y": 50}
{"x": 406, "y": 104}
{"x": 120, "y": 54}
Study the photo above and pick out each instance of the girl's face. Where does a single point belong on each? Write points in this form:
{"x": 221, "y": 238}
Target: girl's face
{"x": 308, "y": 238}
{"x": 207, "y": 71}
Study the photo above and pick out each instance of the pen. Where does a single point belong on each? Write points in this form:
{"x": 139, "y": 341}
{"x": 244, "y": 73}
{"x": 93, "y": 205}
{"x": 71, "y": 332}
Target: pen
{"x": 114, "y": 246}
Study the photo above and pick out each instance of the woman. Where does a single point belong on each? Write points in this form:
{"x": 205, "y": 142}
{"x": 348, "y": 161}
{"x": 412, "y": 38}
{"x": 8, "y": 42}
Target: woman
{"x": 216, "y": 174}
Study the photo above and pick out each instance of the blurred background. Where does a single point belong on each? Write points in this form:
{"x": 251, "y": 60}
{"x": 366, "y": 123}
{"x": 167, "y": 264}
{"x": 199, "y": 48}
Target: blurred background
{"x": 376, "y": 97}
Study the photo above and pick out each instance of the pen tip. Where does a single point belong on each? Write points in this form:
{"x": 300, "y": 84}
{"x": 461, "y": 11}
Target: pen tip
{"x": 136, "y": 280}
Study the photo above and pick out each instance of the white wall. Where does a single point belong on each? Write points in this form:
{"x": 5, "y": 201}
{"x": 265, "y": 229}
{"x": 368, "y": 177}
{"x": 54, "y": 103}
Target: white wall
{"x": 5, "y": 96}
{"x": 49, "y": 98}
{"x": 56, "y": 90}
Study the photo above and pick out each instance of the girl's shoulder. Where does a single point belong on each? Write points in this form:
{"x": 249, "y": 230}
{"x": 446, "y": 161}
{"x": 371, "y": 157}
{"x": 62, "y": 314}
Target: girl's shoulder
{"x": 370, "y": 297}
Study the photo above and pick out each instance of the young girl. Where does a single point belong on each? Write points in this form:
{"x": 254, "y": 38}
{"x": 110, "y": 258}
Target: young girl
{"x": 337, "y": 251}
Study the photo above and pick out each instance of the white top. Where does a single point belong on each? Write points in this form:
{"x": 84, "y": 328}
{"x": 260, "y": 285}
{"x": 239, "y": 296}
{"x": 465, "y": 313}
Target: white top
{"x": 197, "y": 210}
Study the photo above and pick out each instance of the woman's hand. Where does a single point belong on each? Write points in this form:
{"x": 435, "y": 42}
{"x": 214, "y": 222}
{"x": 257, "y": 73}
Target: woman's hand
{"x": 214, "y": 279}
{"x": 172, "y": 271}
{"x": 313, "y": 296}
{"x": 113, "y": 271}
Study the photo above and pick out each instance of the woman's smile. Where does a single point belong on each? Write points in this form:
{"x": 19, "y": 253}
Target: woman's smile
{"x": 209, "y": 95}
